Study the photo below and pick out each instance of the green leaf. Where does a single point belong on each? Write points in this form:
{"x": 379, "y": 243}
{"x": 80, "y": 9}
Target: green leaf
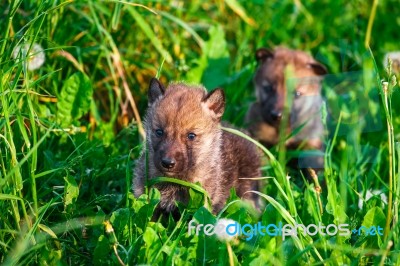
{"x": 207, "y": 247}
{"x": 179, "y": 182}
{"x": 374, "y": 222}
{"x": 71, "y": 193}
{"x": 116, "y": 16}
{"x": 9, "y": 197}
{"x": 334, "y": 205}
{"x": 196, "y": 199}
{"x": 101, "y": 252}
{"x": 145, "y": 213}
{"x": 212, "y": 69}
{"x": 120, "y": 222}
{"x": 204, "y": 216}
{"x": 261, "y": 259}
{"x": 75, "y": 99}
{"x": 374, "y": 217}
{"x": 50, "y": 256}
{"x": 153, "y": 244}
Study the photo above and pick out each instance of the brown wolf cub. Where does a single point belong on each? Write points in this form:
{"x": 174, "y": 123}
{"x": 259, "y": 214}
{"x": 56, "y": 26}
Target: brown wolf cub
{"x": 264, "y": 116}
{"x": 185, "y": 141}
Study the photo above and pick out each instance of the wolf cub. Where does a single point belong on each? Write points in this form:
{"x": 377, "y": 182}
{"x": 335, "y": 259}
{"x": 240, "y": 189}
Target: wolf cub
{"x": 185, "y": 141}
{"x": 304, "y": 118}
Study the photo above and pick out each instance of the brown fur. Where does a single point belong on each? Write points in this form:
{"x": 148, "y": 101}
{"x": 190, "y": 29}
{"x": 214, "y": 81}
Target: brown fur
{"x": 214, "y": 158}
{"x": 264, "y": 116}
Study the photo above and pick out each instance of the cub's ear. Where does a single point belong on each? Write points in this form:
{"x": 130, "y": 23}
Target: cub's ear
{"x": 263, "y": 54}
{"x": 156, "y": 90}
{"x": 215, "y": 102}
{"x": 318, "y": 68}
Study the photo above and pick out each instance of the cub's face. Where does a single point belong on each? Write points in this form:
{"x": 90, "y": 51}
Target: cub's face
{"x": 269, "y": 81}
{"x": 182, "y": 123}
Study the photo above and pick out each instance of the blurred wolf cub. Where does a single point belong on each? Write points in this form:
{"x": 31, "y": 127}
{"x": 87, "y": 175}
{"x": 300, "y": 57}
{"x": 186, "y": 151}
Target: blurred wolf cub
{"x": 185, "y": 141}
{"x": 304, "y": 121}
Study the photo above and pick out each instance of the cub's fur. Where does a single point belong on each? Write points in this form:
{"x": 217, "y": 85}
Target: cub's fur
{"x": 264, "y": 116}
{"x": 185, "y": 141}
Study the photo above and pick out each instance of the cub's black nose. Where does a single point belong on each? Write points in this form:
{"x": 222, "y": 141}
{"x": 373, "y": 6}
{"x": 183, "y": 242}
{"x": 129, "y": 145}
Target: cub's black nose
{"x": 167, "y": 163}
{"x": 276, "y": 115}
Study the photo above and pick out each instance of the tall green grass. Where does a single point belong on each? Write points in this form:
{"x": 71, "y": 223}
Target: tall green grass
{"x": 70, "y": 130}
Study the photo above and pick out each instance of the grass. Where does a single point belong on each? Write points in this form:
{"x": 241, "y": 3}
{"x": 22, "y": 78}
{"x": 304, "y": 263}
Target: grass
{"x": 70, "y": 129}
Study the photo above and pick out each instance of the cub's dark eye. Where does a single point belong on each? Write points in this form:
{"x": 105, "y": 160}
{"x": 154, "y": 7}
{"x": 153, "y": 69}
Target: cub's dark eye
{"x": 159, "y": 132}
{"x": 268, "y": 87}
{"x": 297, "y": 94}
{"x": 191, "y": 136}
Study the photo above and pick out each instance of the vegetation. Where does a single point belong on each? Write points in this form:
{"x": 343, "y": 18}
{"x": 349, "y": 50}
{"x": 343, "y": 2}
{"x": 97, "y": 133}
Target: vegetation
{"x": 73, "y": 83}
